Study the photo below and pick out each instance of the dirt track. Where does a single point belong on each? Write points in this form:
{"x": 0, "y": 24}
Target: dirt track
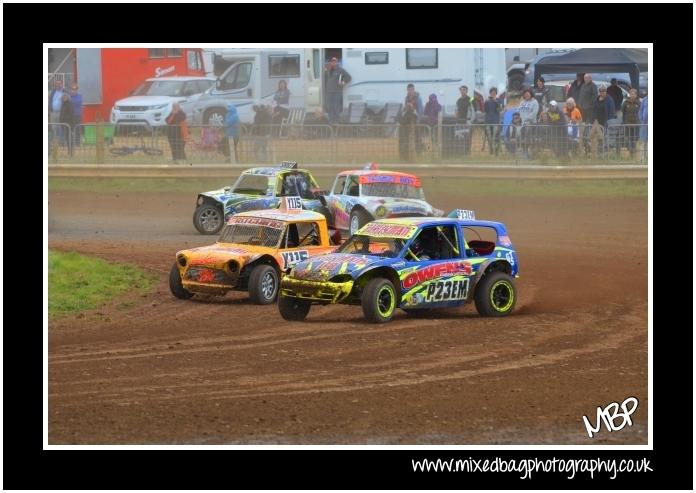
{"x": 154, "y": 369}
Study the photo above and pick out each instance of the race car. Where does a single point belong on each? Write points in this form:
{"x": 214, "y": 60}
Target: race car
{"x": 257, "y": 189}
{"x": 360, "y": 196}
{"x": 416, "y": 264}
{"x": 254, "y": 250}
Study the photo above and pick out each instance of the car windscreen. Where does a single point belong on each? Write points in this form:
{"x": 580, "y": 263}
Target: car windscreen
{"x": 251, "y": 234}
{"x": 160, "y": 88}
{"x": 398, "y": 190}
{"x": 372, "y": 245}
{"x": 296, "y": 184}
{"x": 251, "y": 185}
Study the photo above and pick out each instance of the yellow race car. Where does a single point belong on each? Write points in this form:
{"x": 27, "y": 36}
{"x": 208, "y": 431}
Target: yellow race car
{"x": 254, "y": 250}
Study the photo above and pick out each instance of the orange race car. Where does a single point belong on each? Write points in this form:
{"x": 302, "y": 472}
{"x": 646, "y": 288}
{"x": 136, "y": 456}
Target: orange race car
{"x": 254, "y": 250}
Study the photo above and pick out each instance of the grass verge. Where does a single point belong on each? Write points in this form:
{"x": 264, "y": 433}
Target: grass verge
{"x": 77, "y": 282}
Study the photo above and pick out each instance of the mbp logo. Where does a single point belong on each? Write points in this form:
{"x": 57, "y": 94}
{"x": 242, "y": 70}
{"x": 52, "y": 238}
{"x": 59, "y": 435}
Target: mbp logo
{"x": 610, "y": 414}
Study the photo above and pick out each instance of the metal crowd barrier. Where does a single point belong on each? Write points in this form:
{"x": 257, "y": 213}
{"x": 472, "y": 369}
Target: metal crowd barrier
{"x": 346, "y": 144}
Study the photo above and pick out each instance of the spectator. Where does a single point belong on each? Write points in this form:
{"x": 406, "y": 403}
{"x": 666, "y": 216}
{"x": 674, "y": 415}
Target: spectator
{"x": 574, "y": 90}
{"x": 586, "y": 99}
{"x": 67, "y": 116}
{"x": 407, "y": 133}
{"x": 413, "y": 98}
{"x": 262, "y": 122}
{"x": 604, "y": 109}
{"x": 432, "y": 109}
{"x": 177, "y": 132}
{"x": 557, "y": 131}
{"x": 643, "y": 117}
{"x": 282, "y": 102}
{"x": 465, "y": 108}
{"x": 528, "y": 109}
{"x": 336, "y": 79}
{"x": 615, "y": 92}
{"x": 465, "y": 114}
{"x": 574, "y": 118}
{"x": 232, "y": 125}
{"x": 492, "y": 108}
{"x": 513, "y": 134}
{"x": 55, "y": 102}
{"x": 630, "y": 114}
{"x": 76, "y": 101}
{"x": 541, "y": 93}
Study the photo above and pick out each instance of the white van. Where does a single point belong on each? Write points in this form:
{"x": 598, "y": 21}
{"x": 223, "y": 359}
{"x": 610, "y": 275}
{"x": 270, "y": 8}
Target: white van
{"x": 378, "y": 76}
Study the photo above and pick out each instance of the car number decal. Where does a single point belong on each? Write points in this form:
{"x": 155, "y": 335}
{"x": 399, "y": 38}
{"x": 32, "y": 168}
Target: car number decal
{"x": 452, "y": 289}
{"x": 293, "y": 257}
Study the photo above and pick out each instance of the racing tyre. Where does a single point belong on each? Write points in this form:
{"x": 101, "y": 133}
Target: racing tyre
{"x": 175, "y": 285}
{"x": 358, "y": 219}
{"x": 293, "y": 309}
{"x": 495, "y": 295}
{"x": 263, "y": 284}
{"x": 379, "y": 300}
{"x": 208, "y": 219}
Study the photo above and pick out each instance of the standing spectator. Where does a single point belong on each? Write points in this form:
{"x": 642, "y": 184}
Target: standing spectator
{"x": 67, "y": 116}
{"x": 432, "y": 109}
{"x": 615, "y": 92}
{"x": 76, "y": 101}
{"x": 528, "y": 109}
{"x": 558, "y": 133}
{"x": 643, "y": 117}
{"x": 630, "y": 114}
{"x": 55, "y": 101}
{"x": 513, "y": 134}
{"x": 586, "y": 99}
{"x": 574, "y": 89}
{"x": 492, "y": 108}
{"x": 282, "y": 102}
{"x": 574, "y": 118}
{"x": 586, "y": 102}
{"x": 413, "y": 98}
{"x": 262, "y": 122}
{"x": 407, "y": 133}
{"x": 465, "y": 114}
{"x": 336, "y": 78}
{"x": 465, "y": 108}
{"x": 232, "y": 124}
{"x": 604, "y": 109}
{"x": 541, "y": 93}
{"x": 177, "y": 132}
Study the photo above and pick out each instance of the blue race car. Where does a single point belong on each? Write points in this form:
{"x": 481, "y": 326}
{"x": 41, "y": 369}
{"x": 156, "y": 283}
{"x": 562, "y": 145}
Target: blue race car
{"x": 415, "y": 264}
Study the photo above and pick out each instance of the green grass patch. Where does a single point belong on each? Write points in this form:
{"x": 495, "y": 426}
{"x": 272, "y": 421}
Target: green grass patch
{"x": 77, "y": 282}
{"x": 607, "y": 187}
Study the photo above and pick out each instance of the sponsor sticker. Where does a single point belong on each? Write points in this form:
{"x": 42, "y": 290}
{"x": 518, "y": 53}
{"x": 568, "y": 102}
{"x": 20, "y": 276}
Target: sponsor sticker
{"x": 388, "y": 230}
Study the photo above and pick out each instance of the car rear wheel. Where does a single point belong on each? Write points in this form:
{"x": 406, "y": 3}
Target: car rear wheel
{"x": 358, "y": 219}
{"x": 379, "y": 300}
{"x": 208, "y": 219}
{"x": 175, "y": 285}
{"x": 495, "y": 295}
{"x": 293, "y": 309}
{"x": 263, "y": 284}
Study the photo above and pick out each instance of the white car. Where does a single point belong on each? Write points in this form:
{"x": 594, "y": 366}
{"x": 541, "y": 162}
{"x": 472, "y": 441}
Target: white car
{"x": 152, "y": 101}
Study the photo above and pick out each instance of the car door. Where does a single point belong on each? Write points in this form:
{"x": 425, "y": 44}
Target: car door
{"x": 302, "y": 240}
{"x": 436, "y": 274}
{"x": 337, "y": 203}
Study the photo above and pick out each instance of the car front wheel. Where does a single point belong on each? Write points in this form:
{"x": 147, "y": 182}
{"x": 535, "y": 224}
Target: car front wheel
{"x": 293, "y": 309}
{"x": 263, "y": 284}
{"x": 379, "y": 300}
{"x": 208, "y": 219}
{"x": 358, "y": 219}
{"x": 175, "y": 285}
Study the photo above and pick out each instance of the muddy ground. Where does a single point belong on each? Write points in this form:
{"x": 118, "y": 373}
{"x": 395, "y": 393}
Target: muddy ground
{"x": 155, "y": 369}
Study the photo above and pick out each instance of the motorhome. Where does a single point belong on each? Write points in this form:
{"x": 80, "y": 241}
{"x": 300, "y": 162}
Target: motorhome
{"x": 378, "y": 76}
